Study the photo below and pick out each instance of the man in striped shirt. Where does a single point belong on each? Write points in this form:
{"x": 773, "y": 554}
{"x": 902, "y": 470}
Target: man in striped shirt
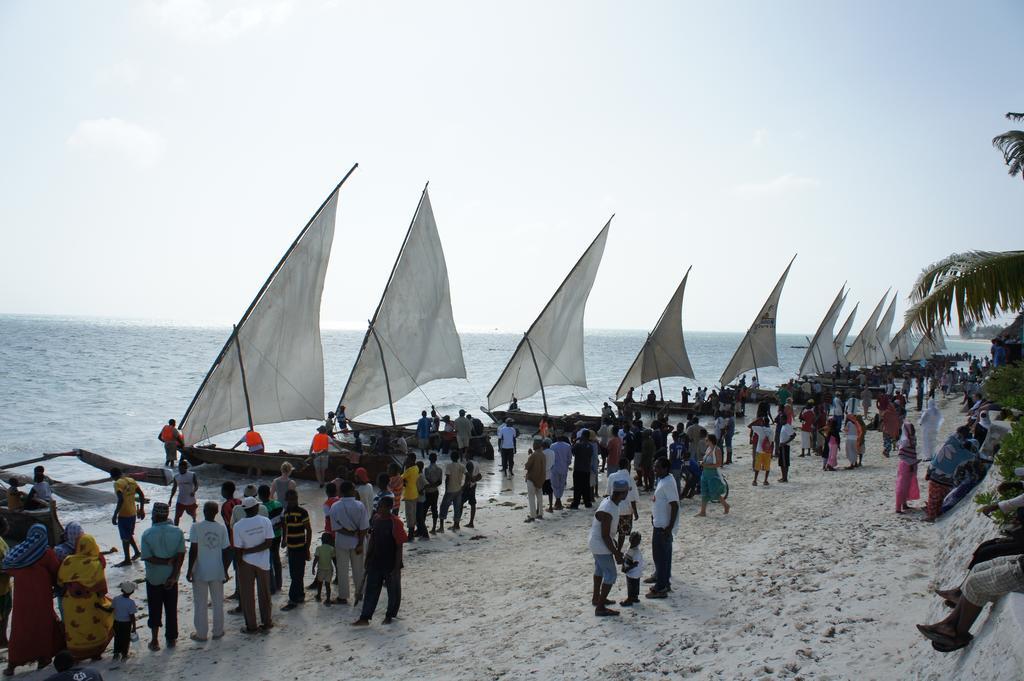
{"x": 298, "y": 536}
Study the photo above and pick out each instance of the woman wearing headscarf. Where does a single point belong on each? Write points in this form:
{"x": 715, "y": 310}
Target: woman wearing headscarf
{"x": 906, "y": 472}
{"x": 69, "y": 544}
{"x": 36, "y": 634}
{"x": 931, "y": 421}
{"x": 88, "y": 615}
{"x": 72, "y": 533}
{"x": 942, "y": 468}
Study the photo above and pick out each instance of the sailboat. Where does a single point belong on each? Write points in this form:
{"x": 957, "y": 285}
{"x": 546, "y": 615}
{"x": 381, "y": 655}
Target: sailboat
{"x": 863, "y": 350}
{"x": 411, "y": 338}
{"x": 839, "y": 344}
{"x": 551, "y": 351}
{"x": 821, "y": 351}
{"x": 662, "y": 355}
{"x": 271, "y": 368}
{"x": 883, "y": 335}
{"x": 930, "y": 345}
{"x": 758, "y": 348}
{"x": 901, "y": 348}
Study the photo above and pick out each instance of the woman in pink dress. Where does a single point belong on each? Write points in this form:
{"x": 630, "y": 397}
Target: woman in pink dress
{"x": 906, "y": 473}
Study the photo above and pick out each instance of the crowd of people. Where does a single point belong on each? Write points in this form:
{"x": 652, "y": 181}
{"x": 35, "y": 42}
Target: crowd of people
{"x": 258, "y": 536}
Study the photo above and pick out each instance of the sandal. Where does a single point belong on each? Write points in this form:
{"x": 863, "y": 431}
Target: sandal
{"x": 943, "y": 648}
{"x": 196, "y": 637}
{"x": 605, "y": 612}
{"x": 154, "y": 646}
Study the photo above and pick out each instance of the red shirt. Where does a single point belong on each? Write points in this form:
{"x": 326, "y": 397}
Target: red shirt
{"x": 327, "y": 509}
{"x": 225, "y": 512}
{"x": 807, "y": 420}
{"x": 614, "y": 451}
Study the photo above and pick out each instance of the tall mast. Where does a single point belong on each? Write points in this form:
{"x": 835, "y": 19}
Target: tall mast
{"x": 241, "y": 368}
{"x": 536, "y": 368}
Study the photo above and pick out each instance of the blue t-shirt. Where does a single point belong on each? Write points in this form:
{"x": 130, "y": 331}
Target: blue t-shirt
{"x": 162, "y": 540}
{"x": 423, "y": 428}
{"x": 124, "y": 608}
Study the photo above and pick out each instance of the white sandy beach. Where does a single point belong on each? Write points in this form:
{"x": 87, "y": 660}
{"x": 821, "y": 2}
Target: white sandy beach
{"x": 814, "y": 579}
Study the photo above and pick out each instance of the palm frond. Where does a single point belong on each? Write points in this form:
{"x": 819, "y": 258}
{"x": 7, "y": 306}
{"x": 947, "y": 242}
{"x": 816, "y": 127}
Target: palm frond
{"x": 982, "y": 284}
{"x": 1015, "y": 116}
{"x": 1011, "y": 145}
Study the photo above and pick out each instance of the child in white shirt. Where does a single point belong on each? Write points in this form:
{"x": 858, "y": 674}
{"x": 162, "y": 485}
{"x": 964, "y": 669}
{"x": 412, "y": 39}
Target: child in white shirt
{"x": 633, "y": 566}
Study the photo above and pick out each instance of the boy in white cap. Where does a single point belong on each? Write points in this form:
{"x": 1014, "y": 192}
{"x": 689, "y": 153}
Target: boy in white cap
{"x": 124, "y": 619}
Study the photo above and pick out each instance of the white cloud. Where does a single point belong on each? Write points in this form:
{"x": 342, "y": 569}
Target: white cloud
{"x": 118, "y": 139}
{"x": 760, "y": 135}
{"x": 125, "y": 72}
{"x": 217, "y": 22}
{"x": 783, "y": 184}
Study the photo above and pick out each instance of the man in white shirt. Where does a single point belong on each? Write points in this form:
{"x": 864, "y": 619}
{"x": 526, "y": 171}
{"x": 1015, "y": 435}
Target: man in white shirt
{"x": 185, "y": 485}
{"x": 666, "y": 515}
{"x": 627, "y": 509}
{"x": 350, "y": 521}
{"x": 549, "y": 463}
{"x": 253, "y": 536}
{"x": 507, "y": 447}
{"x": 606, "y": 554}
{"x": 208, "y": 557}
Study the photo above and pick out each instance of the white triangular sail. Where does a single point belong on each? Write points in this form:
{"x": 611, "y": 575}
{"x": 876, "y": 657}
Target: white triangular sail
{"x": 839, "y": 344}
{"x": 883, "y": 335}
{"x": 412, "y": 338}
{"x": 861, "y": 352}
{"x": 551, "y": 352}
{"x": 901, "y": 348}
{"x": 663, "y": 353}
{"x": 274, "y": 360}
{"x": 821, "y": 353}
{"x": 758, "y": 348}
{"x": 928, "y": 346}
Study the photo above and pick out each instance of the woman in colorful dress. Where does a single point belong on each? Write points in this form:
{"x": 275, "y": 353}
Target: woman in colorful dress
{"x": 88, "y": 615}
{"x": 36, "y": 634}
{"x": 711, "y": 485}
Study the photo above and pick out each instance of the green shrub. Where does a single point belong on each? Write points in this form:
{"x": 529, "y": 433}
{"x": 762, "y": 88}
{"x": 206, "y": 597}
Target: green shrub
{"x": 1005, "y": 385}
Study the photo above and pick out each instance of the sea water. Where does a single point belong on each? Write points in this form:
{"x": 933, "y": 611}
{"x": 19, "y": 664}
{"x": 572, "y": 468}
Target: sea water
{"x": 110, "y": 385}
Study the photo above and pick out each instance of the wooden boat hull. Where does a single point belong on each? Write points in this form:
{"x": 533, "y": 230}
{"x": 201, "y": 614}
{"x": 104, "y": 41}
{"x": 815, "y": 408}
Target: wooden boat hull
{"x": 667, "y": 407}
{"x": 564, "y": 422}
{"x": 269, "y": 464}
{"x": 151, "y": 474}
{"x": 19, "y": 522}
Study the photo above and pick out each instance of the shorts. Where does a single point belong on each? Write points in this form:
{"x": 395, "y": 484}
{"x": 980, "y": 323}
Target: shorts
{"x": 988, "y": 581}
{"x": 126, "y": 527}
{"x": 469, "y": 496}
{"x": 547, "y": 488}
{"x": 325, "y": 576}
{"x": 182, "y": 509}
{"x": 5, "y": 605}
{"x": 625, "y": 525}
{"x": 462, "y": 441}
{"x": 320, "y": 461}
{"x": 762, "y": 461}
{"x": 423, "y": 443}
{"x": 604, "y": 567}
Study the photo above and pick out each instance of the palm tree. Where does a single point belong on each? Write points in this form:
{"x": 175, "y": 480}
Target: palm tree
{"x": 1011, "y": 144}
{"x": 983, "y": 284}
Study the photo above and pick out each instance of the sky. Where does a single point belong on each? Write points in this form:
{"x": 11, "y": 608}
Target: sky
{"x": 158, "y": 157}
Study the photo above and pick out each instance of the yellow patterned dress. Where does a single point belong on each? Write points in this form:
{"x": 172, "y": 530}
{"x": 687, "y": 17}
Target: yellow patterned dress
{"x": 88, "y": 616}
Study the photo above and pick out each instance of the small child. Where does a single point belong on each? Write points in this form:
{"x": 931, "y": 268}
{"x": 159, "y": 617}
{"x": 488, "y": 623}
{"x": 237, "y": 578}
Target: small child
{"x": 633, "y": 566}
{"x": 323, "y": 565}
{"x": 124, "y": 619}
